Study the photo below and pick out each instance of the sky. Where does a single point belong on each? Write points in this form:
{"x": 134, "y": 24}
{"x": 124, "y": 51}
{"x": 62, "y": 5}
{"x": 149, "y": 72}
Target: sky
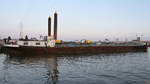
{"x": 77, "y": 19}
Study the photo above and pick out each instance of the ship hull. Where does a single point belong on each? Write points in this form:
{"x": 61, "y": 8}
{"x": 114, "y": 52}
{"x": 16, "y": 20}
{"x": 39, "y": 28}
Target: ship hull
{"x": 73, "y": 50}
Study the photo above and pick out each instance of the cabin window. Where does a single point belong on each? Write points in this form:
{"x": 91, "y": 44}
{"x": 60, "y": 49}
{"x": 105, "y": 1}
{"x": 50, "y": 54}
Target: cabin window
{"x": 37, "y": 43}
{"x": 26, "y": 43}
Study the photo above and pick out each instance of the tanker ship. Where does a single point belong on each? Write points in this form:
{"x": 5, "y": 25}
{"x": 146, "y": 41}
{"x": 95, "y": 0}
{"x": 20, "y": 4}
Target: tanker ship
{"x": 51, "y": 45}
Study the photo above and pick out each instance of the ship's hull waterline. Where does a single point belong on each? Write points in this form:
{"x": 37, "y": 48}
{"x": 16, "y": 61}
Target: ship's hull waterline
{"x": 74, "y": 50}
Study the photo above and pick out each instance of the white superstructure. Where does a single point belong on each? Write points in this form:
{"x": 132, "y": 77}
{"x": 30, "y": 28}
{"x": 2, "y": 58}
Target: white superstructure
{"x": 49, "y": 43}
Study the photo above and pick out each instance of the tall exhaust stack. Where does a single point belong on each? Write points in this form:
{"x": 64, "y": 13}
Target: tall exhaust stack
{"x": 55, "y": 25}
{"x": 49, "y": 26}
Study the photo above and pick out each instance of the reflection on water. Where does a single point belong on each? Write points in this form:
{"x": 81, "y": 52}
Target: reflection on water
{"x": 22, "y": 69}
{"x": 52, "y": 74}
{"x": 119, "y": 68}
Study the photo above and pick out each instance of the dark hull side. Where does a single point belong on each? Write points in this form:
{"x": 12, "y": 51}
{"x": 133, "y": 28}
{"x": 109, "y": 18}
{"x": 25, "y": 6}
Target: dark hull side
{"x": 74, "y": 50}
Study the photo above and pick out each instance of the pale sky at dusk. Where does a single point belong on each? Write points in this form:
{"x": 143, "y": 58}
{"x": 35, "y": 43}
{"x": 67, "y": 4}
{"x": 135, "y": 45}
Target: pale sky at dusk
{"x": 77, "y": 19}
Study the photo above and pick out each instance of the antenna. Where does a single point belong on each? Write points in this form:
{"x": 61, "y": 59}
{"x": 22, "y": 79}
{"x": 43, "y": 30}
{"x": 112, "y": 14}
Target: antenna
{"x": 21, "y": 31}
{"x": 141, "y": 37}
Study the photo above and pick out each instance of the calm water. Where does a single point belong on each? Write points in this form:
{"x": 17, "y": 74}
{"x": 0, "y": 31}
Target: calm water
{"x": 121, "y": 68}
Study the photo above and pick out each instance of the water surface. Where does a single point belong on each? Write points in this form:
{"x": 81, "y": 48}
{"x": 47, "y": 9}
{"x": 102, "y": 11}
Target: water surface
{"x": 116, "y": 68}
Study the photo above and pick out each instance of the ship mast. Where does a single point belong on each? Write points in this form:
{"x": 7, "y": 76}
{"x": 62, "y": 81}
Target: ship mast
{"x": 21, "y": 31}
